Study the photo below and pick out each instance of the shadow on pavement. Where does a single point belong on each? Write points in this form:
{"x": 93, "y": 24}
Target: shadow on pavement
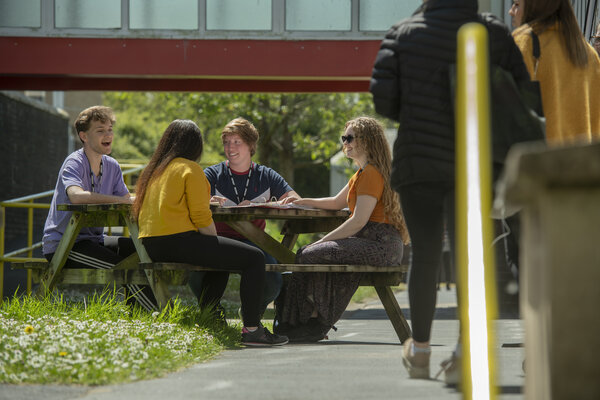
{"x": 442, "y": 313}
{"x": 510, "y": 389}
{"x": 345, "y": 342}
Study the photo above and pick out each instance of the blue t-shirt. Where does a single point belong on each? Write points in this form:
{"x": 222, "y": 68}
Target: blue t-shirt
{"x": 76, "y": 171}
{"x": 264, "y": 185}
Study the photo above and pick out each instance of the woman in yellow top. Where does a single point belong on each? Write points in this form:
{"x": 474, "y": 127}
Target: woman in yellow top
{"x": 568, "y": 70}
{"x": 374, "y": 234}
{"x": 175, "y": 223}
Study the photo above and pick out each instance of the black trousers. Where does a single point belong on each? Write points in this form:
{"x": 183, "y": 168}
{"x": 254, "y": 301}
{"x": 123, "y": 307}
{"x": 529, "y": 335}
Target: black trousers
{"x": 426, "y": 207}
{"x": 209, "y": 287}
{"x": 217, "y": 252}
{"x": 89, "y": 254}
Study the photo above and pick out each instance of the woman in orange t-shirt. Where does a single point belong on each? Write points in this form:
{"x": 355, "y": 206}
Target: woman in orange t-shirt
{"x": 373, "y": 234}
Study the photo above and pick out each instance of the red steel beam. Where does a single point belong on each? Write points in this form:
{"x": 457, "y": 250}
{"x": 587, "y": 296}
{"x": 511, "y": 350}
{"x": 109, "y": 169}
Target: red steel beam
{"x": 185, "y": 65}
{"x": 66, "y": 83}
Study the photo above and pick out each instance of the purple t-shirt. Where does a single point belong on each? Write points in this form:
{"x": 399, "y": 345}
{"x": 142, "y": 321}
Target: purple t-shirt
{"x": 76, "y": 171}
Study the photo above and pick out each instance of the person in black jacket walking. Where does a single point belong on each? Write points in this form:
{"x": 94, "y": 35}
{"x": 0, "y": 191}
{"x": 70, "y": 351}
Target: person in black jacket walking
{"x": 411, "y": 85}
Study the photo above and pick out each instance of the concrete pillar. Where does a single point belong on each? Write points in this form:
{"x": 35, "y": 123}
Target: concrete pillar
{"x": 559, "y": 192}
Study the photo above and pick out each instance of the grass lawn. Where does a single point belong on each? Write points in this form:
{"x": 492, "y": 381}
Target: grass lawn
{"x": 101, "y": 340}
{"x": 97, "y": 339}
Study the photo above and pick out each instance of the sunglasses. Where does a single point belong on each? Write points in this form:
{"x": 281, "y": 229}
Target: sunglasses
{"x": 347, "y": 139}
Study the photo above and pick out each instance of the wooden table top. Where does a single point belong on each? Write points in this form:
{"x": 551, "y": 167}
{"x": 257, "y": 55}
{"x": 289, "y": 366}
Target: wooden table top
{"x": 256, "y": 212}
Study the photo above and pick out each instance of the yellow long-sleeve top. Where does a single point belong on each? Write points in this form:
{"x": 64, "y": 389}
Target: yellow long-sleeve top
{"x": 177, "y": 201}
{"x": 570, "y": 95}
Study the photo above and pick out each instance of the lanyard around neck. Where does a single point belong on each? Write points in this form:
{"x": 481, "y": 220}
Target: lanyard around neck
{"x": 92, "y": 177}
{"x": 237, "y": 195}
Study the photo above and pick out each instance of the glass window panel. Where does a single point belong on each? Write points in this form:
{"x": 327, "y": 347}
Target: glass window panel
{"x": 103, "y": 14}
{"x": 20, "y": 13}
{"x": 380, "y": 15}
{"x": 163, "y": 14}
{"x": 318, "y": 15}
{"x": 238, "y": 15}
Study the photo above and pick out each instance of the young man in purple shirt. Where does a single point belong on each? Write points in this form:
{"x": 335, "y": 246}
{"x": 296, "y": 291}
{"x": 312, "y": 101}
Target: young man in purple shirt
{"x": 90, "y": 176}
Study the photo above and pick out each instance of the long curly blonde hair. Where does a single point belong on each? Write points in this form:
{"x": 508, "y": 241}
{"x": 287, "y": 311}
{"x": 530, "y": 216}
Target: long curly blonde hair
{"x": 370, "y": 136}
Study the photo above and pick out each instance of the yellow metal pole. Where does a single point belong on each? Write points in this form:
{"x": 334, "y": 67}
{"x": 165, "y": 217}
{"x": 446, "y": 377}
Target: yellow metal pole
{"x": 474, "y": 258}
{"x": 2, "y": 214}
{"x": 29, "y": 243}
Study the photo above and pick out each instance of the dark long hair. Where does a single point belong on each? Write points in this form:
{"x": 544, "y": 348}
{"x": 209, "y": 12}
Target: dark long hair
{"x": 182, "y": 138}
{"x": 541, "y": 14}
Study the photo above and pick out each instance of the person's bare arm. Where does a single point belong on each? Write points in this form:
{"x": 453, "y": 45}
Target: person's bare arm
{"x": 209, "y": 230}
{"x": 365, "y": 205}
{"x": 327, "y": 203}
{"x": 79, "y": 196}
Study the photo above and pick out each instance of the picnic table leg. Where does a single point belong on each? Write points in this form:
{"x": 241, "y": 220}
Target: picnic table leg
{"x": 263, "y": 240}
{"x": 394, "y": 312}
{"x": 158, "y": 286}
{"x": 130, "y": 262}
{"x": 289, "y": 240}
{"x": 61, "y": 254}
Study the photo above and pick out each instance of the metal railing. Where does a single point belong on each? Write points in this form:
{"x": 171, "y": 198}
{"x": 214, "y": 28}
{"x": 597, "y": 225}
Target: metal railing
{"x": 28, "y": 202}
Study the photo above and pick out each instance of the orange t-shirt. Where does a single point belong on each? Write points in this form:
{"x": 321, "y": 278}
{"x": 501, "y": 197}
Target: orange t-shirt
{"x": 367, "y": 181}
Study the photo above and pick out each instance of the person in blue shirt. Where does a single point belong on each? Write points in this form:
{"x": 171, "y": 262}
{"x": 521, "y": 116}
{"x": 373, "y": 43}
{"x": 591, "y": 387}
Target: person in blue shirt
{"x": 90, "y": 176}
{"x": 240, "y": 181}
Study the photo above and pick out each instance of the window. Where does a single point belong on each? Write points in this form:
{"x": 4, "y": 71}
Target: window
{"x": 380, "y": 15}
{"x": 20, "y": 13}
{"x": 161, "y": 14}
{"x": 238, "y": 15}
{"x": 318, "y": 15}
{"x": 105, "y": 14}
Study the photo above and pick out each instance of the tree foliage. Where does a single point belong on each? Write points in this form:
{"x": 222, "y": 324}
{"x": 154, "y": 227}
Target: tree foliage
{"x": 298, "y": 132}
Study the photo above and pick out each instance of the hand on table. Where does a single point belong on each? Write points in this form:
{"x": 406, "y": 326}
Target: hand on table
{"x": 218, "y": 199}
{"x": 289, "y": 199}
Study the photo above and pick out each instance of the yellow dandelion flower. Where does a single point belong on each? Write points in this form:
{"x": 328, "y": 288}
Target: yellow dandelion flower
{"x": 62, "y": 353}
{"x": 29, "y": 329}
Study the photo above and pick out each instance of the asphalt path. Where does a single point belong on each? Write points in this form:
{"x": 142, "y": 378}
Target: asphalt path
{"x": 362, "y": 360}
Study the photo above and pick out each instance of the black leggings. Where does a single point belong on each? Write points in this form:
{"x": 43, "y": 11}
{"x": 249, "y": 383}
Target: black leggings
{"x": 425, "y": 207}
{"x": 216, "y": 252}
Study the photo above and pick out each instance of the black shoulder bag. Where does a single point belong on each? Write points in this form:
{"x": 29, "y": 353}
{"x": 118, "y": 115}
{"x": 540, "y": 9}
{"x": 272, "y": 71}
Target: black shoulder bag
{"x": 516, "y": 107}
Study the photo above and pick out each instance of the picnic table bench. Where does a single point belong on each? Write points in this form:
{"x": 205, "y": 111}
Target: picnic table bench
{"x": 139, "y": 269}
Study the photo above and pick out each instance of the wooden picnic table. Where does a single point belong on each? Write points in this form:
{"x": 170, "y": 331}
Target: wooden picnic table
{"x": 139, "y": 269}
{"x": 297, "y": 221}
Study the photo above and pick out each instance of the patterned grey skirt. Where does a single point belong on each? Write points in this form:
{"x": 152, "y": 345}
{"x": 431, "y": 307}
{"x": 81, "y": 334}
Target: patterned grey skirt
{"x": 375, "y": 244}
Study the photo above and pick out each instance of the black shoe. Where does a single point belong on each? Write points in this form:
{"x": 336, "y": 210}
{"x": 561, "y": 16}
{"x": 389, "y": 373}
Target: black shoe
{"x": 261, "y": 337}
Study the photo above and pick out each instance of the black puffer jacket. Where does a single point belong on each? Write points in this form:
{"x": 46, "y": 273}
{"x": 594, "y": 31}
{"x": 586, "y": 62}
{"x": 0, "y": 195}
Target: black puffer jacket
{"x": 410, "y": 84}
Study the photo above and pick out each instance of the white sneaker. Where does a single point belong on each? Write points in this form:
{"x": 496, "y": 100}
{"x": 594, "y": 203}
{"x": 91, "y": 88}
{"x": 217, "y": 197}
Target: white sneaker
{"x": 416, "y": 360}
{"x": 452, "y": 370}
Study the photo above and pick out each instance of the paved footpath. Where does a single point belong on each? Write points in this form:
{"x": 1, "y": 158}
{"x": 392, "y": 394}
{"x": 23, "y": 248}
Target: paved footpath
{"x": 362, "y": 360}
